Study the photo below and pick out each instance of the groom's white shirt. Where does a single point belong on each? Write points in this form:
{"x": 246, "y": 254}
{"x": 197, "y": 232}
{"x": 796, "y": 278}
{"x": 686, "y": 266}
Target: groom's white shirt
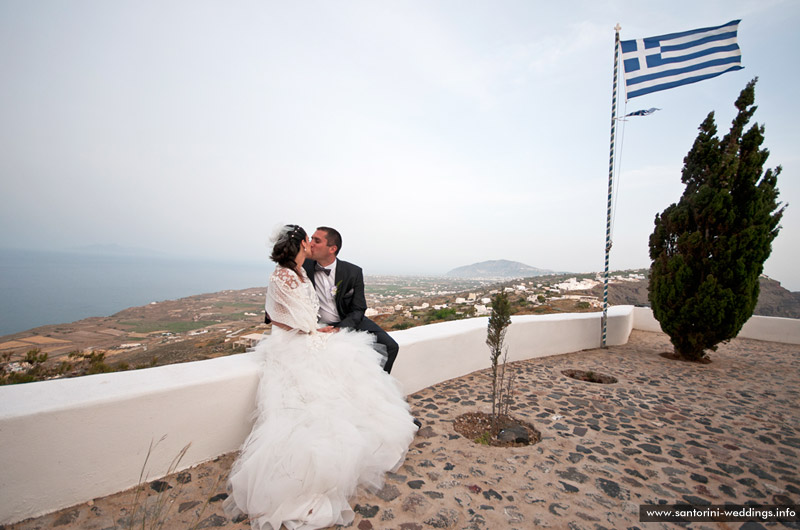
{"x": 324, "y": 284}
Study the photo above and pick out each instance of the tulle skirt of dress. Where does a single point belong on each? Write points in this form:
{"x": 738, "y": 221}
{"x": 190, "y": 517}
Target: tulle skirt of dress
{"x": 329, "y": 420}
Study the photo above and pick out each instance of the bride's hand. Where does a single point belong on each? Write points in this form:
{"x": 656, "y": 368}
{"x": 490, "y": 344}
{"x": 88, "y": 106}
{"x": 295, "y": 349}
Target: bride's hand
{"x": 328, "y": 329}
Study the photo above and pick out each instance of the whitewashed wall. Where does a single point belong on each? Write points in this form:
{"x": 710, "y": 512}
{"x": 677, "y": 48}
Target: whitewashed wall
{"x": 452, "y": 349}
{"x": 773, "y": 329}
{"x": 67, "y": 441}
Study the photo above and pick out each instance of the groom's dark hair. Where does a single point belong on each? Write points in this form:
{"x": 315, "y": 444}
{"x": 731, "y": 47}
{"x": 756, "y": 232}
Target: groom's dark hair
{"x": 333, "y": 237}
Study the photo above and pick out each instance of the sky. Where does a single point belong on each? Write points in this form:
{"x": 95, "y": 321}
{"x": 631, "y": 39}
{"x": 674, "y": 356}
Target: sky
{"x": 432, "y": 134}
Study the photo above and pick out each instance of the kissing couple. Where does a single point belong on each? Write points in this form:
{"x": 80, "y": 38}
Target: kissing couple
{"x": 329, "y": 418}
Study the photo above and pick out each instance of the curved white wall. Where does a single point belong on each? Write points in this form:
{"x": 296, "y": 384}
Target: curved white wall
{"x": 452, "y": 349}
{"x": 71, "y": 440}
{"x": 772, "y": 329}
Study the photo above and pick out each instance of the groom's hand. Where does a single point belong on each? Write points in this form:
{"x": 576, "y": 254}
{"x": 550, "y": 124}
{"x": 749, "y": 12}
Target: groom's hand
{"x": 328, "y": 329}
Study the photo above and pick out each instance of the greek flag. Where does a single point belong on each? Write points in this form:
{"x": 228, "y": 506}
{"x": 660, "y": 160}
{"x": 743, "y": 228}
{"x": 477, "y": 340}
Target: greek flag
{"x": 646, "y": 112}
{"x": 668, "y": 61}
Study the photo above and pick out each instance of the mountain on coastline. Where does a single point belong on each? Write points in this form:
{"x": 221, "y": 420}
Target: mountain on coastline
{"x": 497, "y": 269}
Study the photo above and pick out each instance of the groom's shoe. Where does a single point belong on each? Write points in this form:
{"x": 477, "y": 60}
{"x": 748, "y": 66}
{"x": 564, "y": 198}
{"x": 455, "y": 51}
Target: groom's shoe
{"x": 417, "y": 423}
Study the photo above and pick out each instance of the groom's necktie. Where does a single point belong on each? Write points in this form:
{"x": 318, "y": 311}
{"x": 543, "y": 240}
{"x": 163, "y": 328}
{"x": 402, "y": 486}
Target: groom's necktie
{"x": 320, "y": 268}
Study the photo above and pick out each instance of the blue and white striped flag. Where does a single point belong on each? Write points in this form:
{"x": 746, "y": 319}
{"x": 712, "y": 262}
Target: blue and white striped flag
{"x": 668, "y": 61}
{"x": 646, "y": 112}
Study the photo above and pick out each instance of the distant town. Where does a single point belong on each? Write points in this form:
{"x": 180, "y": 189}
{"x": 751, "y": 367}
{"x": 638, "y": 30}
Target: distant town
{"x": 218, "y": 324}
{"x": 401, "y": 303}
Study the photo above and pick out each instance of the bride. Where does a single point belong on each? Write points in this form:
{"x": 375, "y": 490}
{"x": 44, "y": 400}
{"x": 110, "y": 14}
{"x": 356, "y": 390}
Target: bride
{"x": 329, "y": 419}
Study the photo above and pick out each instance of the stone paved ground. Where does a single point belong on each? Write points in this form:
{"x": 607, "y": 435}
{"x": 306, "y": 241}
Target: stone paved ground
{"x": 666, "y": 432}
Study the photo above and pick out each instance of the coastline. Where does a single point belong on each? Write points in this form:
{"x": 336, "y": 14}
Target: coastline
{"x": 214, "y": 324}
{"x": 41, "y": 288}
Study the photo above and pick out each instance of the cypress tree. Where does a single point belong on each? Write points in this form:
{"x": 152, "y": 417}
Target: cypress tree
{"x": 499, "y": 321}
{"x": 709, "y": 249}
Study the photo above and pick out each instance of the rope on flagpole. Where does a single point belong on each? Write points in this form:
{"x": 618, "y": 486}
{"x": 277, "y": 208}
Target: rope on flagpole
{"x": 618, "y": 167}
{"x": 610, "y": 187}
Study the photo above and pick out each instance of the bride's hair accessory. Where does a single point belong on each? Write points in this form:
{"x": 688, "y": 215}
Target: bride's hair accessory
{"x": 284, "y": 233}
{"x": 287, "y": 242}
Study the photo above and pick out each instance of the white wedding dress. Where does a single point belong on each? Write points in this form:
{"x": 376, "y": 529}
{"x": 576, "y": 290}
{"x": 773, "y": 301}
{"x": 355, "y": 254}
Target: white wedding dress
{"x": 329, "y": 419}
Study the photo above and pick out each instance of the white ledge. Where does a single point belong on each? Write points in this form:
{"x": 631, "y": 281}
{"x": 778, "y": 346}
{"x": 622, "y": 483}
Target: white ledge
{"x": 68, "y": 441}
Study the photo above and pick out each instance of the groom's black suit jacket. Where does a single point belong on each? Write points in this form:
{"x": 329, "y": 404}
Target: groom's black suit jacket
{"x": 351, "y": 304}
{"x": 350, "y": 300}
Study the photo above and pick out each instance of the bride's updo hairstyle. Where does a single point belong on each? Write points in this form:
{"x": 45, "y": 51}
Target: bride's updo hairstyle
{"x": 287, "y": 240}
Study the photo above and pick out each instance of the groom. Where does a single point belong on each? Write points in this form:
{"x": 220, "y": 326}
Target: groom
{"x": 340, "y": 290}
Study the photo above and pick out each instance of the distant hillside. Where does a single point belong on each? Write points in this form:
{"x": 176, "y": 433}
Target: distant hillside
{"x": 773, "y": 300}
{"x": 497, "y": 269}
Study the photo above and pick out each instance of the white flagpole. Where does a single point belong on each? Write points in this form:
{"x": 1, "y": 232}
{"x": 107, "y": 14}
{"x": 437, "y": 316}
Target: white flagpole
{"x": 610, "y": 185}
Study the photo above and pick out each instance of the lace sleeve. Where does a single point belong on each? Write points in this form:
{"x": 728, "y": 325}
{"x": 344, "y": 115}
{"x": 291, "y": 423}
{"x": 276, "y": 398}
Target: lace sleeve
{"x": 288, "y": 278}
{"x": 288, "y": 301}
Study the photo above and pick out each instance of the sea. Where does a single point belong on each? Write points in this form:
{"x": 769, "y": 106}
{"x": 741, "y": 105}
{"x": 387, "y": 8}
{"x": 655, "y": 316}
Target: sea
{"x": 39, "y": 288}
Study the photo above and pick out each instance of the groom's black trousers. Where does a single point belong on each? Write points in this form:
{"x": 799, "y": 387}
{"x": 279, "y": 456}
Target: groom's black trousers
{"x": 382, "y": 338}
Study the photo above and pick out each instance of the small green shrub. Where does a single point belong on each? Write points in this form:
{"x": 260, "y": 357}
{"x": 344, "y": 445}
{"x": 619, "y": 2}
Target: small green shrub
{"x": 484, "y": 439}
{"x": 446, "y": 313}
{"x": 502, "y": 383}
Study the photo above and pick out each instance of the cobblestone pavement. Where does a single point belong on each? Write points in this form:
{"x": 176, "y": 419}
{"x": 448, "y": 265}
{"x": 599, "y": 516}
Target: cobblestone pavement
{"x": 667, "y": 432}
